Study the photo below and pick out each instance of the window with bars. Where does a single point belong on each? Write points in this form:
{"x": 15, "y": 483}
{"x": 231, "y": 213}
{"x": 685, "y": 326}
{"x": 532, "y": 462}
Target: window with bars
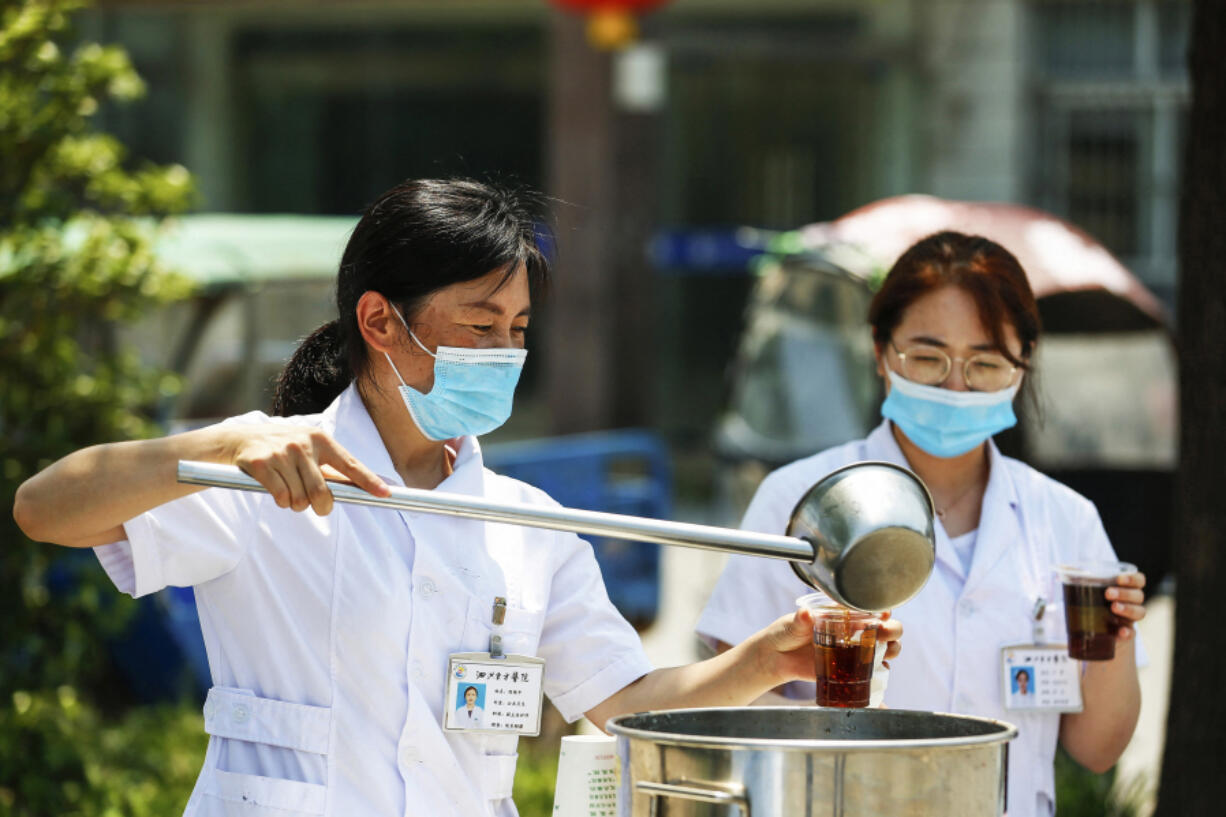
{"x": 1110, "y": 91}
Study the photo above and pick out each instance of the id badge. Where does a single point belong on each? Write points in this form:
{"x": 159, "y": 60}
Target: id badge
{"x": 491, "y": 695}
{"x": 1040, "y": 678}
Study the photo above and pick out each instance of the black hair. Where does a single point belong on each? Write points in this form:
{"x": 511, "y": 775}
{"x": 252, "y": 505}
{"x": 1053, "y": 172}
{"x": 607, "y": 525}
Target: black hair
{"x": 415, "y": 239}
{"x": 473, "y": 688}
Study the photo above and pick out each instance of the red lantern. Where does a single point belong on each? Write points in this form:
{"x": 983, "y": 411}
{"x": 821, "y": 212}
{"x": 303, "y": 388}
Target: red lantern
{"x": 611, "y": 23}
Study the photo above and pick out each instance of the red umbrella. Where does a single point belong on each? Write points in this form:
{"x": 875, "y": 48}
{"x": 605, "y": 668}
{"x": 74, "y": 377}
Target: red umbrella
{"x": 1059, "y": 258}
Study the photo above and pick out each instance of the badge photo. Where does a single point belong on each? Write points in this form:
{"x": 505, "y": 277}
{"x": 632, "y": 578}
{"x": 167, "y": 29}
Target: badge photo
{"x": 470, "y": 706}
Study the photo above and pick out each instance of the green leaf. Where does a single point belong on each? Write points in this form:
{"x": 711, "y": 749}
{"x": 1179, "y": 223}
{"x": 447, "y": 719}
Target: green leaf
{"x": 78, "y": 219}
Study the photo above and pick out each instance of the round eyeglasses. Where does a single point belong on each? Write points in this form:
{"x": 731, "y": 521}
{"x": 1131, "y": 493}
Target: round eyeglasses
{"x": 931, "y": 365}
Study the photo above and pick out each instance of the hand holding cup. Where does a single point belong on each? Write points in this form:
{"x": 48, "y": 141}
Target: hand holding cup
{"x": 1127, "y": 597}
{"x": 846, "y": 645}
{"x": 1101, "y": 602}
{"x": 792, "y": 644}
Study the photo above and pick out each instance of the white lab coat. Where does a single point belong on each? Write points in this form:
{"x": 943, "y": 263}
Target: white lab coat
{"x": 469, "y": 718}
{"x": 328, "y": 637}
{"x": 954, "y": 628}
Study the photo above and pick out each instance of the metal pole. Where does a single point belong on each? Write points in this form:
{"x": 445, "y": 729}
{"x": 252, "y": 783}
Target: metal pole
{"x": 591, "y": 523}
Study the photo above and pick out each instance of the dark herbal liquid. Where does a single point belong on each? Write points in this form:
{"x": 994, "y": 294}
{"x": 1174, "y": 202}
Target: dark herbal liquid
{"x": 1092, "y": 626}
{"x": 844, "y": 671}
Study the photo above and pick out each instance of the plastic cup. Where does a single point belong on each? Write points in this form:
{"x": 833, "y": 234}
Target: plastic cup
{"x": 845, "y": 649}
{"x": 588, "y": 777}
{"x": 1092, "y": 627}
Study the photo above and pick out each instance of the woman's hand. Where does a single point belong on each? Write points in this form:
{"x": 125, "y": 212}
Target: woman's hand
{"x": 781, "y": 652}
{"x": 294, "y": 463}
{"x": 788, "y": 645}
{"x": 1111, "y": 691}
{"x": 1127, "y": 601}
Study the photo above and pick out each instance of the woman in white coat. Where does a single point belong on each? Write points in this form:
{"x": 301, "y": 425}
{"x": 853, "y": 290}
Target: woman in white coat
{"x": 954, "y": 328}
{"x": 469, "y": 712}
{"x": 329, "y": 633}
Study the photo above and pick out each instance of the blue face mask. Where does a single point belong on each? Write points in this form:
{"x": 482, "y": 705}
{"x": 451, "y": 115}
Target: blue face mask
{"x": 947, "y": 423}
{"x": 473, "y": 390}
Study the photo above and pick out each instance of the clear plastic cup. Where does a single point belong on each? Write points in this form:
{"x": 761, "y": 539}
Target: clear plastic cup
{"x": 845, "y": 650}
{"x": 1092, "y": 627}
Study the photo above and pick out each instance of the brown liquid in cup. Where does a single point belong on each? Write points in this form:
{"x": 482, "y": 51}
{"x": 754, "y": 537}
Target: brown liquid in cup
{"x": 1092, "y": 627}
{"x": 844, "y": 671}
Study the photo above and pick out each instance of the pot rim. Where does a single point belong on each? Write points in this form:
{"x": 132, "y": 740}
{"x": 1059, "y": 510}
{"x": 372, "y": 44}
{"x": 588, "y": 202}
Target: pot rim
{"x": 1005, "y": 733}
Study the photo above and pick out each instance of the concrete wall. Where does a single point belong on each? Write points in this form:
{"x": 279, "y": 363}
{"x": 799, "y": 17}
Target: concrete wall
{"x": 973, "y": 58}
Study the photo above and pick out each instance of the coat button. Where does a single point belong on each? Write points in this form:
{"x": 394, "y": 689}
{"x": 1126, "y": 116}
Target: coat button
{"x": 427, "y": 587}
{"x": 968, "y": 607}
{"x": 409, "y": 755}
{"x": 239, "y": 713}
{"x": 418, "y": 671}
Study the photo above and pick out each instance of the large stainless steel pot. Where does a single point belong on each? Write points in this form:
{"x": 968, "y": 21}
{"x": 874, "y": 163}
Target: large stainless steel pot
{"x": 863, "y": 534}
{"x": 794, "y": 761}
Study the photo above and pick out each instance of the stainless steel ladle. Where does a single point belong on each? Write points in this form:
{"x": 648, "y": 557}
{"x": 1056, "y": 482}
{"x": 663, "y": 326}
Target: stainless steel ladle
{"x": 863, "y": 534}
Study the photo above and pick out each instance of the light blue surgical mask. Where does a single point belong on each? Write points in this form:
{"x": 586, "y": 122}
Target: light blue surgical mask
{"x": 947, "y": 423}
{"x": 473, "y": 389}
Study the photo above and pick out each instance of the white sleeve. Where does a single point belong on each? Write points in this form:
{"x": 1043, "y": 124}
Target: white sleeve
{"x": 754, "y": 591}
{"x": 771, "y": 508}
{"x": 182, "y": 543}
{"x": 590, "y": 650}
{"x": 187, "y": 541}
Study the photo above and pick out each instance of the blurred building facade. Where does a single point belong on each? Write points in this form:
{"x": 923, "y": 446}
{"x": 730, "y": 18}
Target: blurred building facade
{"x": 726, "y": 113}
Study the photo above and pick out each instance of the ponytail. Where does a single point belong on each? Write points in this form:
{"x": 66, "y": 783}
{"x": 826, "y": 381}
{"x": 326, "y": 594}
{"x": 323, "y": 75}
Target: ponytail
{"x": 315, "y": 376}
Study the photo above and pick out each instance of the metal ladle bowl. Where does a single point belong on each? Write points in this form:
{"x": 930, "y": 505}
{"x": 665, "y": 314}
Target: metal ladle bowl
{"x": 871, "y": 526}
{"x": 863, "y": 534}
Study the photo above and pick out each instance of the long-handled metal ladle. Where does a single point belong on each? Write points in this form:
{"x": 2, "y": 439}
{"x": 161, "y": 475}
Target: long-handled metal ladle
{"x": 863, "y": 534}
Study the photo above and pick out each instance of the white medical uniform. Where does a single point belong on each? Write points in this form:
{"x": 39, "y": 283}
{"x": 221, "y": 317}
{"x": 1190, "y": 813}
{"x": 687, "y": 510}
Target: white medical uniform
{"x": 328, "y": 636}
{"x": 954, "y": 628}
{"x": 469, "y": 717}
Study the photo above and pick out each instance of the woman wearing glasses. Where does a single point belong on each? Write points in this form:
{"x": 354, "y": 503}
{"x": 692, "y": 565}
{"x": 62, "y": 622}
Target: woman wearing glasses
{"x": 954, "y": 328}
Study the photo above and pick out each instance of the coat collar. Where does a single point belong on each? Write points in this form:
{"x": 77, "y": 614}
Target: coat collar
{"x": 349, "y": 423}
{"x": 451, "y": 539}
{"x": 999, "y": 525}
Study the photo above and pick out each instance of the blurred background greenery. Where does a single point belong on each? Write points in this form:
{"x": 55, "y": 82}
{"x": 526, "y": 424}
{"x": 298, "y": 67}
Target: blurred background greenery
{"x": 76, "y": 224}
